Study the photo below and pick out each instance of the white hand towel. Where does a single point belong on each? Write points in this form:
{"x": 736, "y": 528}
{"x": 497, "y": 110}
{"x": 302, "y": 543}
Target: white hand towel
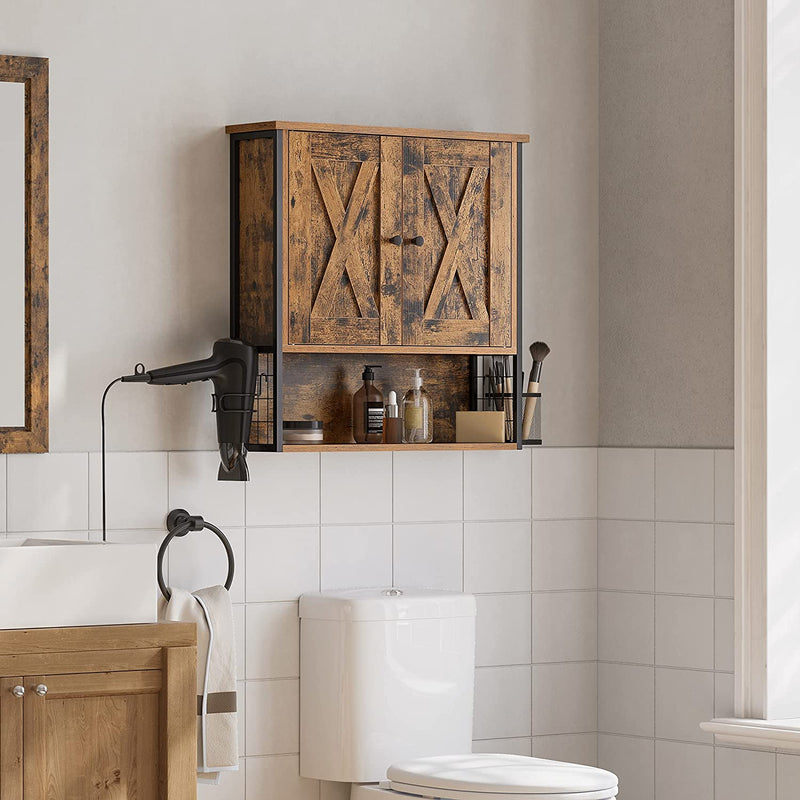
{"x": 217, "y": 739}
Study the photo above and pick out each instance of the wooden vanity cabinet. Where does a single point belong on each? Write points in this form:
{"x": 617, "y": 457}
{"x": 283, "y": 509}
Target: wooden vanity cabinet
{"x": 374, "y": 239}
{"x": 101, "y": 712}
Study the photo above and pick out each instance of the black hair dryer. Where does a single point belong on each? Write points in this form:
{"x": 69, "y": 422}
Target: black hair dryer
{"x": 232, "y": 369}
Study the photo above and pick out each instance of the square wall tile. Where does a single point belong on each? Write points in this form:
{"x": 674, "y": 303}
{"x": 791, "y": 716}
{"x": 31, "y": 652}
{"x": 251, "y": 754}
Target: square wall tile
{"x": 685, "y": 485}
{"x": 685, "y": 632}
{"x": 282, "y": 563}
{"x": 564, "y": 554}
{"x": 632, "y": 761}
{"x": 564, "y": 482}
{"x": 199, "y": 560}
{"x": 564, "y": 698}
{"x": 724, "y": 560}
{"x": 273, "y": 717}
{"x": 428, "y": 486}
{"x": 626, "y": 627}
{"x": 564, "y": 626}
{"x": 626, "y": 696}
{"x": 2, "y": 492}
{"x": 574, "y": 748}
{"x": 193, "y": 485}
{"x": 67, "y": 536}
{"x": 48, "y": 492}
{"x": 744, "y": 774}
{"x": 724, "y": 652}
{"x": 283, "y": 489}
{"x": 684, "y": 771}
{"x": 625, "y": 555}
{"x": 279, "y": 777}
{"x": 518, "y": 747}
{"x": 240, "y": 633}
{"x": 429, "y": 555}
{"x": 497, "y": 484}
{"x": 356, "y": 556}
{"x": 356, "y": 488}
{"x": 723, "y": 694}
{"x": 503, "y": 634}
{"x": 273, "y": 641}
{"x": 497, "y": 557}
{"x": 788, "y": 775}
{"x": 625, "y": 483}
{"x": 502, "y": 702}
{"x": 684, "y": 699}
{"x": 230, "y": 787}
{"x": 724, "y": 491}
{"x": 684, "y": 558}
{"x": 136, "y": 490}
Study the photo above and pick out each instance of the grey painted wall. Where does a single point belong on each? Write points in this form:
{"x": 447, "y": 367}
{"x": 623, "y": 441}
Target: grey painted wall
{"x": 139, "y": 96}
{"x": 666, "y": 223}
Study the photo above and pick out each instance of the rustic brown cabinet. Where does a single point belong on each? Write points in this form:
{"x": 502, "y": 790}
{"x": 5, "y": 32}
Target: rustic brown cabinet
{"x": 98, "y": 712}
{"x": 387, "y": 241}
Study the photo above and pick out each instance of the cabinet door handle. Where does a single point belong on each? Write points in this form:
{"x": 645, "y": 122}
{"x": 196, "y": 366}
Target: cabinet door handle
{"x": 396, "y": 240}
{"x": 417, "y": 240}
{"x": 41, "y": 690}
{"x": 18, "y": 691}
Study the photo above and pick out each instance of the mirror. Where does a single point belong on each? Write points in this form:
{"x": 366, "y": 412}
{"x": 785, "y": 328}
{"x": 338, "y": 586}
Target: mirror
{"x": 23, "y": 254}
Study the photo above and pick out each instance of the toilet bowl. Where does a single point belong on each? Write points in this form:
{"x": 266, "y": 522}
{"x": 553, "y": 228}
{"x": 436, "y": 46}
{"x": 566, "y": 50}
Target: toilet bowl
{"x": 386, "y": 703}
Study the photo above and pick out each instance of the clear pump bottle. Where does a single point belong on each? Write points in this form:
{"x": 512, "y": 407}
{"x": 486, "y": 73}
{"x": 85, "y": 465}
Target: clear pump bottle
{"x": 417, "y": 414}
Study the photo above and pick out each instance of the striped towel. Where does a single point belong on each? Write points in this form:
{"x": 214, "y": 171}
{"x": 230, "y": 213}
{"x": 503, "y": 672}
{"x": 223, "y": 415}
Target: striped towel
{"x": 217, "y": 733}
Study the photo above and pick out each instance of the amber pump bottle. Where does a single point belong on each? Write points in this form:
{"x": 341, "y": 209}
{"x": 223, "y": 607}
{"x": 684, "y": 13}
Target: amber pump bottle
{"x": 368, "y": 409}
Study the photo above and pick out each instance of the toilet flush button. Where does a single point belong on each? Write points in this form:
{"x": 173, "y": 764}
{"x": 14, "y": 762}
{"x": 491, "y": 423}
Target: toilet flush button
{"x": 392, "y": 592}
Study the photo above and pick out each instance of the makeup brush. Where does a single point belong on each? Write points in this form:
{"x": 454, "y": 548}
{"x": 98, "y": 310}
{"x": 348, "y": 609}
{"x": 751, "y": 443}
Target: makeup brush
{"x": 539, "y": 352}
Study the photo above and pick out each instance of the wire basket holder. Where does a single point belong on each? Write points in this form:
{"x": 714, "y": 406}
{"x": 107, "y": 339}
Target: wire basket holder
{"x": 497, "y": 386}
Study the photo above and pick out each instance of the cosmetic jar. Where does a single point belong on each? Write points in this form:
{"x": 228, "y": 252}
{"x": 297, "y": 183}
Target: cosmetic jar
{"x": 304, "y": 431}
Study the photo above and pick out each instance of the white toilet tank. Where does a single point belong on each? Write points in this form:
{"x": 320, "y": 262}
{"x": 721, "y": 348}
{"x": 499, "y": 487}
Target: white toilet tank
{"x": 385, "y": 675}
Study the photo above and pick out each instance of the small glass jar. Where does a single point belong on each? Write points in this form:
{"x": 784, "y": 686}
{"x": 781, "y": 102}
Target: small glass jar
{"x": 303, "y": 431}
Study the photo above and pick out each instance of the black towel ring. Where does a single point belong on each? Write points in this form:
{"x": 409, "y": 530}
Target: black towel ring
{"x": 179, "y": 523}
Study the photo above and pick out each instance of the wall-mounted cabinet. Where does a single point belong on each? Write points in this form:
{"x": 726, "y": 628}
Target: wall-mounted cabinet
{"x": 379, "y": 241}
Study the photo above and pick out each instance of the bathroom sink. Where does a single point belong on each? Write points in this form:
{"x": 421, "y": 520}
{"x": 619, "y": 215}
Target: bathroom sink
{"x": 46, "y": 583}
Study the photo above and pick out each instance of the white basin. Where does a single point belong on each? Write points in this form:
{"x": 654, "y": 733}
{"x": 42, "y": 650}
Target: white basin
{"x": 47, "y": 583}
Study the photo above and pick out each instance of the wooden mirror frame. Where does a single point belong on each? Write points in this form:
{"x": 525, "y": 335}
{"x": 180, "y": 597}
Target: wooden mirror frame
{"x": 33, "y": 437}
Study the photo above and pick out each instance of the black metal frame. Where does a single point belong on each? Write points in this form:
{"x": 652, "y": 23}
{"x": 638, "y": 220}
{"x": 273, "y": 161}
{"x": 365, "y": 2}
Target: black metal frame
{"x": 276, "y": 346}
{"x": 518, "y": 357}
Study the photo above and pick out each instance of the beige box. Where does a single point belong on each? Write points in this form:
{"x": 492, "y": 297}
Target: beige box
{"x": 480, "y": 426}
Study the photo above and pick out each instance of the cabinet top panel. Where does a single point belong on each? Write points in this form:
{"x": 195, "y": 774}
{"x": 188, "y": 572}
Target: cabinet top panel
{"x": 282, "y": 125}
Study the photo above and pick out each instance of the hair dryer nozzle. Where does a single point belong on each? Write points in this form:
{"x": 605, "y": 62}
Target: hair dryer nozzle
{"x": 233, "y": 463}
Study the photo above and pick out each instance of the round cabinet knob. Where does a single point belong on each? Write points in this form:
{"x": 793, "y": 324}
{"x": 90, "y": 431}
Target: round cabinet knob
{"x": 396, "y": 240}
{"x": 41, "y": 690}
{"x": 18, "y": 691}
{"x": 417, "y": 240}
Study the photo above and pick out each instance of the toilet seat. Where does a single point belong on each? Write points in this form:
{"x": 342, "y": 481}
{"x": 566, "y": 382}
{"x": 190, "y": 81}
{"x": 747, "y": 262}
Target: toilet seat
{"x": 486, "y": 776}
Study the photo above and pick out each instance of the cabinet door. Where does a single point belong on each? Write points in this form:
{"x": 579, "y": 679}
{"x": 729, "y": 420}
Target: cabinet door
{"x": 10, "y": 740}
{"x": 343, "y": 280}
{"x": 458, "y": 270}
{"x": 93, "y": 736}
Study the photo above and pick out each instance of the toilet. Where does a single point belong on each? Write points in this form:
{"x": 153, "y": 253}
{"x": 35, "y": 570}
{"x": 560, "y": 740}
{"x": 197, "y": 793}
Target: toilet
{"x": 386, "y": 701}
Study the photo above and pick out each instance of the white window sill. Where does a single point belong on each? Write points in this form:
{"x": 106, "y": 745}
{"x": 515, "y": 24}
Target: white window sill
{"x": 777, "y": 734}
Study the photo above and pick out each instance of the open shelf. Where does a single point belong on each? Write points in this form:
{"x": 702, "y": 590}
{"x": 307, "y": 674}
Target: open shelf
{"x": 354, "y": 448}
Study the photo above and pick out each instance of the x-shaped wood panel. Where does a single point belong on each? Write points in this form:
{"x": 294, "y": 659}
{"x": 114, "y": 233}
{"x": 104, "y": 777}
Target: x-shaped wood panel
{"x": 344, "y": 222}
{"x": 457, "y": 231}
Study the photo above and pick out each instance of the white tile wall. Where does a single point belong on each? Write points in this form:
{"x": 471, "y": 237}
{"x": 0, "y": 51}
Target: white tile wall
{"x": 307, "y": 521}
{"x": 641, "y": 660}
{"x": 665, "y": 577}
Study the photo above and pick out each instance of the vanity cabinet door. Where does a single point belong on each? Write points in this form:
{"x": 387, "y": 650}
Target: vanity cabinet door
{"x": 458, "y": 270}
{"x": 92, "y": 735}
{"x": 10, "y": 740}
{"x": 344, "y": 207}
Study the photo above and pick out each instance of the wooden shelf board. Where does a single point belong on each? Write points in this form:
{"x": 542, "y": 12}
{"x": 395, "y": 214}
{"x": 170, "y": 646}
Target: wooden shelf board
{"x": 356, "y": 448}
{"x": 377, "y": 130}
